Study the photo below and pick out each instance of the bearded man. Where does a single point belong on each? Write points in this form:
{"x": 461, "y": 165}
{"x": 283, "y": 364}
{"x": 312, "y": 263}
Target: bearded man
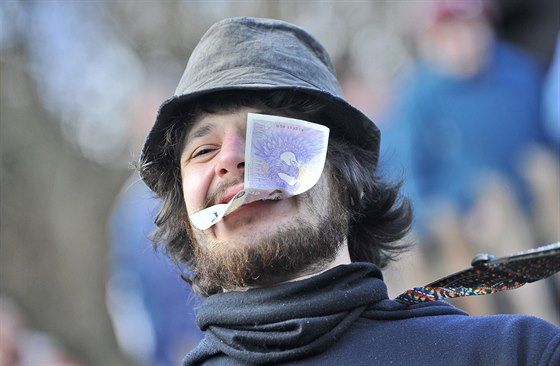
{"x": 296, "y": 279}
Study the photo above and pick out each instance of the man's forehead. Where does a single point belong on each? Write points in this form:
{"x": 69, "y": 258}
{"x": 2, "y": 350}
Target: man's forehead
{"x": 206, "y": 123}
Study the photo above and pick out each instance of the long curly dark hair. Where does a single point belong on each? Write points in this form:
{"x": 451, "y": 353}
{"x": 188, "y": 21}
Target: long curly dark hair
{"x": 379, "y": 217}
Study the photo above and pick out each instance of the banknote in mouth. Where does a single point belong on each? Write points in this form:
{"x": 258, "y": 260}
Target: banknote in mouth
{"x": 284, "y": 157}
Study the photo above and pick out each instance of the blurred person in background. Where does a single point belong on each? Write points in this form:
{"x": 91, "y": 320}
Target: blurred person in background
{"x": 151, "y": 307}
{"x": 21, "y": 345}
{"x": 466, "y": 120}
{"x": 297, "y": 280}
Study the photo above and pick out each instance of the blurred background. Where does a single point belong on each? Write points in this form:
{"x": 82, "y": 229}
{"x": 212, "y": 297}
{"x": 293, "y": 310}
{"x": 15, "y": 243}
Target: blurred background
{"x": 466, "y": 94}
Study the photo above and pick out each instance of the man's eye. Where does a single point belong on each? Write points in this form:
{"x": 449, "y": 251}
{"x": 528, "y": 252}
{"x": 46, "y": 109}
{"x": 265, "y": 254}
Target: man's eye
{"x": 202, "y": 152}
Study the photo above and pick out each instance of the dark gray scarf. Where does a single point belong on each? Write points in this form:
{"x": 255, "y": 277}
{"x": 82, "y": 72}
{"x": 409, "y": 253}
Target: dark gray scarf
{"x": 288, "y": 321}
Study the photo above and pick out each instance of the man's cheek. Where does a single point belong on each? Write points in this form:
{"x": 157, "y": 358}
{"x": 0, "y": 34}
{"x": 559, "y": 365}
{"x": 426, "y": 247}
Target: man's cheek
{"x": 193, "y": 196}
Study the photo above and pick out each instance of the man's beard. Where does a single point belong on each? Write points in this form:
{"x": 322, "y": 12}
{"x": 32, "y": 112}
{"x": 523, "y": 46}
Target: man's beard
{"x": 295, "y": 249}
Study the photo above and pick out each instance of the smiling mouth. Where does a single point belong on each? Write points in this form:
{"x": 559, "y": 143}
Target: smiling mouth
{"x": 230, "y": 194}
{"x": 233, "y": 199}
{"x": 250, "y": 206}
{"x": 238, "y": 192}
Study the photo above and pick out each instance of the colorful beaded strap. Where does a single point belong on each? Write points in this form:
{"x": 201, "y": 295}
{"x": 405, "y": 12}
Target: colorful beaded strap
{"x": 489, "y": 275}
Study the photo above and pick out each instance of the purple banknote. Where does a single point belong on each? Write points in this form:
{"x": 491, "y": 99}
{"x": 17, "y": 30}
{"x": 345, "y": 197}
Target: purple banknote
{"x": 284, "y": 153}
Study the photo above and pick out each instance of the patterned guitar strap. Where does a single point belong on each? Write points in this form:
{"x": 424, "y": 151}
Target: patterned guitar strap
{"x": 489, "y": 275}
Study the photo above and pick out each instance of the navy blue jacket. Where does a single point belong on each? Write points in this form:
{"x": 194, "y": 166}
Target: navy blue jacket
{"x": 344, "y": 317}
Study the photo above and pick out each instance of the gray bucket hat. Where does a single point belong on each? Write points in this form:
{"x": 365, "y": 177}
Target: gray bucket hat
{"x": 257, "y": 54}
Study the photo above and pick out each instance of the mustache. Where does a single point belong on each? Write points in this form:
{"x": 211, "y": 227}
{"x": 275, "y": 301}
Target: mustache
{"x": 214, "y": 197}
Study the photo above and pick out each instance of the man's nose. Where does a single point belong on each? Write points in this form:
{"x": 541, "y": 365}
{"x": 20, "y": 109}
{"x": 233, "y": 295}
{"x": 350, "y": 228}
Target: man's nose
{"x": 231, "y": 162}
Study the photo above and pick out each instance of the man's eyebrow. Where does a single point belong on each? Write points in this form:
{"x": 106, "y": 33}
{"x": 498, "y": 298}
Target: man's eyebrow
{"x": 201, "y": 131}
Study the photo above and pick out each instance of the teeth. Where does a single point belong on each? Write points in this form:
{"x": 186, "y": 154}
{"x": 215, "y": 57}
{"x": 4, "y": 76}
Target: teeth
{"x": 276, "y": 198}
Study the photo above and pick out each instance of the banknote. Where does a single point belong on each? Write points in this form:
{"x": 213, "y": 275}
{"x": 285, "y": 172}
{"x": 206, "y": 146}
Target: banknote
{"x": 284, "y": 157}
{"x": 284, "y": 153}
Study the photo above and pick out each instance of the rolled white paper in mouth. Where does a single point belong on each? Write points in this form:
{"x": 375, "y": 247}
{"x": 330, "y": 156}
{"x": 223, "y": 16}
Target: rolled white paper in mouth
{"x": 284, "y": 157}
